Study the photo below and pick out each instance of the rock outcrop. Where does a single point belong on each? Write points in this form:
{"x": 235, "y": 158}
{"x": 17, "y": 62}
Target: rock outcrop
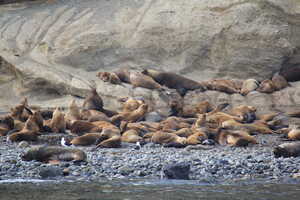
{"x": 50, "y": 50}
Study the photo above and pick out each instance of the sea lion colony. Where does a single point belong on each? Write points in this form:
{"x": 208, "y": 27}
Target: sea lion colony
{"x": 93, "y": 125}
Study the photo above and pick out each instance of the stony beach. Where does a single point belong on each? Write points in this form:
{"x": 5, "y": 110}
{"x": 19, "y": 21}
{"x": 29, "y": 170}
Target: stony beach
{"x": 207, "y": 163}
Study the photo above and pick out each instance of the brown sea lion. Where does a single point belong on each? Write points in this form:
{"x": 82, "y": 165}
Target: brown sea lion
{"x": 19, "y": 112}
{"x": 133, "y": 116}
{"x": 86, "y": 139}
{"x": 234, "y": 138}
{"x": 267, "y": 86}
{"x": 58, "y": 123}
{"x": 110, "y": 138}
{"x": 279, "y": 82}
{"x": 93, "y": 115}
{"x": 131, "y": 136}
{"x": 80, "y": 127}
{"x": 6, "y": 124}
{"x": 174, "y": 81}
{"x": 197, "y": 137}
{"x": 222, "y": 85}
{"x": 246, "y": 113}
{"x": 161, "y": 137}
{"x": 130, "y": 104}
{"x": 248, "y": 86}
{"x": 287, "y": 150}
{"x": 48, "y": 153}
{"x": 110, "y": 77}
{"x": 93, "y": 101}
{"x": 174, "y": 123}
{"x": 138, "y": 79}
{"x": 267, "y": 117}
{"x": 252, "y": 128}
{"x": 73, "y": 113}
{"x": 200, "y": 108}
{"x": 294, "y": 114}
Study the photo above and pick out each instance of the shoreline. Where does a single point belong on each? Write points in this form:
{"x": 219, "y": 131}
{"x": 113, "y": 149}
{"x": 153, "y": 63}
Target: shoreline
{"x": 219, "y": 164}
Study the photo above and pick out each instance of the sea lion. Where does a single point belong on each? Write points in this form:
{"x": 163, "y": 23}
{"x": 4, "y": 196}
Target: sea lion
{"x": 19, "y": 112}
{"x": 110, "y": 77}
{"x": 6, "y": 124}
{"x": 294, "y": 114}
{"x": 197, "y": 137}
{"x": 58, "y": 123}
{"x": 161, "y": 137}
{"x": 287, "y": 150}
{"x": 222, "y": 85}
{"x": 234, "y": 138}
{"x": 246, "y": 113}
{"x": 131, "y": 136}
{"x": 130, "y": 104}
{"x": 79, "y": 127}
{"x": 294, "y": 133}
{"x": 252, "y": 128}
{"x": 267, "y": 86}
{"x": 110, "y": 138}
{"x": 123, "y": 74}
{"x": 279, "y": 82}
{"x": 291, "y": 72}
{"x": 174, "y": 123}
{"x": 133, "y": 116}
{"x": 248, "y": 86}
{"x": 48, "y": 153}
{"x": 93, "y": 115}
{"x": 174, "y": 81}
{"x": 138, "y": 79}
{"x": 93, "y": 101}
{"x": 73, "y": 113}
{"x": 267, "y": 117}
{"x": 86, "y": 139}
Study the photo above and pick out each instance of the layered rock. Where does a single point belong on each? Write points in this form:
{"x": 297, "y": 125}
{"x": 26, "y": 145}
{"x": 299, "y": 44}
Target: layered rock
{"x": 53, "y": 49}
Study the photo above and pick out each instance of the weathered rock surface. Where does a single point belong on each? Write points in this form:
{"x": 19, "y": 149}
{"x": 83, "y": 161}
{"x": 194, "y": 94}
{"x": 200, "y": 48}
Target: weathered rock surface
{"x": 50, "y": 50}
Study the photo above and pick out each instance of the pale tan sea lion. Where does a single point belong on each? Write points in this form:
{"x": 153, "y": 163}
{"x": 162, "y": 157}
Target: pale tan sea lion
{"x": 267, "y": 86}
{"x": 248, "y": 86}
{"x": 131, "y": 136}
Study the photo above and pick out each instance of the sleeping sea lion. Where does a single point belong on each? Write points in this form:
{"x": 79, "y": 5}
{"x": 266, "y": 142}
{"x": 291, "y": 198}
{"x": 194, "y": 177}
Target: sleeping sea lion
{"x": 287, "y": 150}
{"x": 138, "y": 79}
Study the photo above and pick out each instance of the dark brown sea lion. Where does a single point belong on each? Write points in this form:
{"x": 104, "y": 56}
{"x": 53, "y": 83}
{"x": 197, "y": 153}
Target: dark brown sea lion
{"x": 123, "y": 74}
{"x": 287, "y": 150}
{"x": 93, "y": 101}
{"x": 222, "y": 85}
{"x": 291, "y": 73}
{"x": 48, "y": 153}
{"x": 267, "y": 86}
{"x": 279, "y": 82}
{"x": 138, "y": 79}
{"x": 174, "y": 81}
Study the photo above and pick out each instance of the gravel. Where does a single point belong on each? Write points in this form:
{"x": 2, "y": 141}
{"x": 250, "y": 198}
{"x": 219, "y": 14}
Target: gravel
{"x": 220, "y": 163}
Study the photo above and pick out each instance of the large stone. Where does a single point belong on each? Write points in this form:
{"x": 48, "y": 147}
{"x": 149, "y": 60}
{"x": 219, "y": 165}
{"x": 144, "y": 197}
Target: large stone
{"x": 52, "y": 50}
{"x": 177, "y": 171}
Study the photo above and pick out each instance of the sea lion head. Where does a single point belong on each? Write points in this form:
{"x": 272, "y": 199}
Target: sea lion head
{"x": 104, "y": 76}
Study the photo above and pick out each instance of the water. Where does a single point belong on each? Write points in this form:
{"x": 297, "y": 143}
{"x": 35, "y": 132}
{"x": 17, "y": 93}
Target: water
{"x": 146, "y": 190}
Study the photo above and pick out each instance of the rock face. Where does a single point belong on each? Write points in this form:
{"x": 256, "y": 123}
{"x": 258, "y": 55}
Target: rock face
{"x": 52, "y": 49}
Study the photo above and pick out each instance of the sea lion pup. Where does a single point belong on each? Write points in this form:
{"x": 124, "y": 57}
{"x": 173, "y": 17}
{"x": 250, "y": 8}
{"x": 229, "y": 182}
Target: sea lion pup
{"x": 86, "y": 139}
{"x": 133, "y": 116}
{"x": 58, "y": 123}
{"x": 110, "y": 77}
{"x": 6, "y": 124}
{"x": 93, "y": 101}
{"x": 160, "y": 137}
{"x": 287, "y": 150}
{"x": 252, "y": 128}
{"x": 174, "y": 81}
{"x": 234, "y": 138}
{"x": 131, "y": 136}
{"x": 248, "y": 86}
{"x": 110, "y": 138}
{"x": 246, "y": 113}
{"x": 294, "y": 133}
{"x": 138, "y": 79}
{"x": 267, "y": 86}
{"x": 279, "y": 82}
{"x": 93, "y": 115}
{"x": 130, "y": 104}
{"x": 50, "y": 153}
{"x": 222, "y": 85}
{"x": 73, "y": 114}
